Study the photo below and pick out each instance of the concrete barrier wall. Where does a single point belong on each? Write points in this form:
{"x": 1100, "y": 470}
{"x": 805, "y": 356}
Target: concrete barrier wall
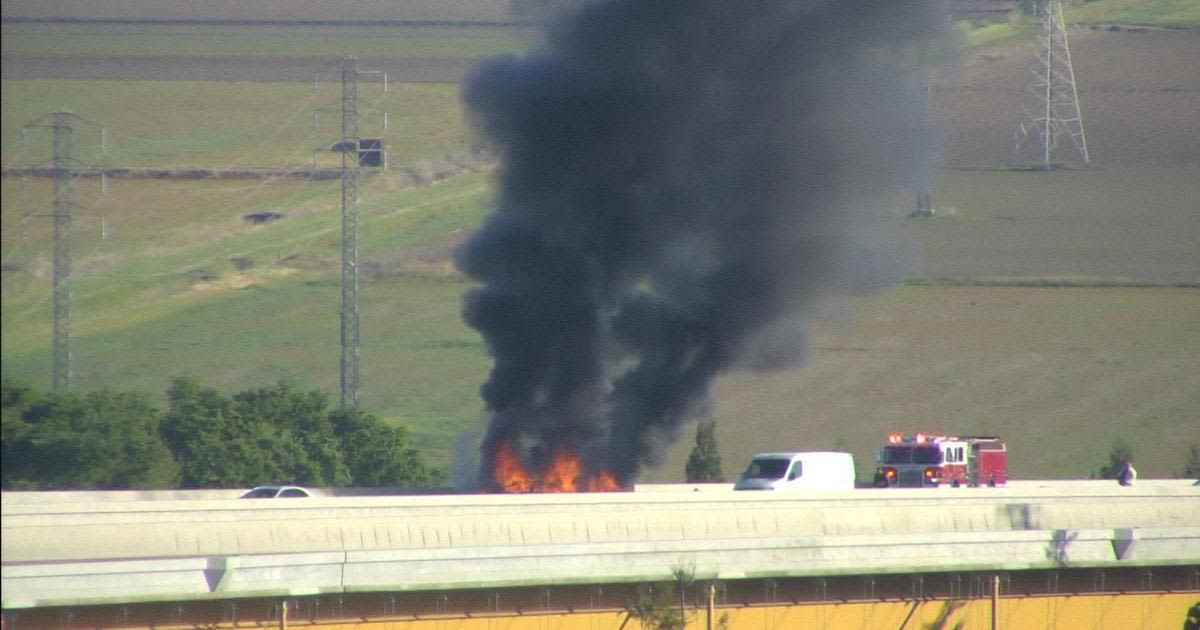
{"x": 269, "y": 575}
{"x": 93, "y": 531}
{"x": 121, "y": 551}
{"x": 24, "y": 498}
{"x": 12, "y": 499}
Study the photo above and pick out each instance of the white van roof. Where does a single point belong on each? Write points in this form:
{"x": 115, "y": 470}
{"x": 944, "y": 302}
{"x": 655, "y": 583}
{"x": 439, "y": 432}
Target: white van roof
{"x": 791, "y": 454}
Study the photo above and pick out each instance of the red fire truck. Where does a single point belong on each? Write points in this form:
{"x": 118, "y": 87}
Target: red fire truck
{"x": 935, "y": 459}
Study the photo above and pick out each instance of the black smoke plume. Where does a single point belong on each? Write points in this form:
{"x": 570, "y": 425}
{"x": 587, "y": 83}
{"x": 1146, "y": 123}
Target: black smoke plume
{"x": 680, "y": 182}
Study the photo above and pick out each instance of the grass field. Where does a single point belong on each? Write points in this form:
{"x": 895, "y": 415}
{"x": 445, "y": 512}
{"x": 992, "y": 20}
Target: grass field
{"x": 1160, "y": 13}
{"x": 208, "y": 124}
{"x": 1059, "y": 373}
{"x": 203, "y": 293}
{"x": 1136, "y": 13}
{"x": 1057, "y": 309}
{"x": 243, "y": 41}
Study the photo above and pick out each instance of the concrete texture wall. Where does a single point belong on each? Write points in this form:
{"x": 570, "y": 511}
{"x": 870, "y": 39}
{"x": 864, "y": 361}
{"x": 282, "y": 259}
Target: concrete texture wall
{"x": 124, "y": 551}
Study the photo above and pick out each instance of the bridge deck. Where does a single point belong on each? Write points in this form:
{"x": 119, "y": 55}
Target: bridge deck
{"x": 58, "y": 552}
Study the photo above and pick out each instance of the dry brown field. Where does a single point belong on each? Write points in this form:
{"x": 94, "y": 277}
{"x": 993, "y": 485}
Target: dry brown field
{"x": 1059, "y": 373}
{"x": 1066, "y": 308}
{"x": 1066, "y": 360}
{"x": 1137, "y": 95}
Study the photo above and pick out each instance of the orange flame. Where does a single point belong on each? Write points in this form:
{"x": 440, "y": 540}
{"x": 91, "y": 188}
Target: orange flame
{"x": 509, "y": 473}
{"x": 564, "y": 474}
{"x": 604, "y": 482}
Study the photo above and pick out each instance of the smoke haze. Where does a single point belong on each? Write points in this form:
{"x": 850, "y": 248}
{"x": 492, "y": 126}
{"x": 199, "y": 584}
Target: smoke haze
{"x": 681, "y": 182}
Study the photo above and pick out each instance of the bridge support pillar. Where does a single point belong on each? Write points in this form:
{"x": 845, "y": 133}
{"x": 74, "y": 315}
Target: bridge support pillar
{"x": 995, "y": 601}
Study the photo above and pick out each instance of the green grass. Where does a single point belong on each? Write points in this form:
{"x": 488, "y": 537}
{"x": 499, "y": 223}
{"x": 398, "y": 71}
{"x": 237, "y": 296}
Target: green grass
{"x": 216, "y": 124}
{"x": 1156, "y": 13}
{"x": 144, "y": 316}
{"x": 1144, "y": 13}
{"x": 975, "y": 35}
{"x": 262, "y": 42}
{"x": 182, "y": 285}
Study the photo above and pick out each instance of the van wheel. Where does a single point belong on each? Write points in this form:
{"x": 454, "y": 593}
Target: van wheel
{"x": 955, "y": 484}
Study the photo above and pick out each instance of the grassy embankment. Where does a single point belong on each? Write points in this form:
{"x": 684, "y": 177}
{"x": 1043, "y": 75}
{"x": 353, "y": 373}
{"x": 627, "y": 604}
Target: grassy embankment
{"x": 321, "y": 43}
{"x": 1147, "y": 13}
{"x": 183, "y": 286}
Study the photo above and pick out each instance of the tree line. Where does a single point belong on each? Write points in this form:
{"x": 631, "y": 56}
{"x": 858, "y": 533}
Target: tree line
{"x": 115, "y": 440}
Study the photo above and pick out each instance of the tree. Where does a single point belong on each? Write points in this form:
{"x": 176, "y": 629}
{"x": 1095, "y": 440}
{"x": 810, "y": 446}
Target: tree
{"x": 1191, "y": 470}
{"x": 377, "y": 454}
{"x": 116, "y": 440}
{"x": 704, "y": 462}
{"x": 204, "y": 437}
{"x": 304, "y": 441}
{"x": 281, "y": 435}
{"x": 663, "y": 606}
{"x": 16, "y": 433}
{"x": 1193, "y": 618}
{"x": 265, "y": 435}
{"x": 101, "y": 439}
{"x": 1121, "y": 452}
{"x": 655, "y": 608}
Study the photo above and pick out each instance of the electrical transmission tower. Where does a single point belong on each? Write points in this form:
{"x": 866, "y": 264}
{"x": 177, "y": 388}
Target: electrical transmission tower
{"x": 64, "y": 199}
{"x": 350, "y": 319}
{"x": 351, "y": 147}
{"x": 1056, "y": 116}
{"x": 63, "y": 172}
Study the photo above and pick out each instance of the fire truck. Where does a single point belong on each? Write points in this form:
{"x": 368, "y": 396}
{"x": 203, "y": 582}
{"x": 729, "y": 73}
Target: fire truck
{"x": 935, "y": 459}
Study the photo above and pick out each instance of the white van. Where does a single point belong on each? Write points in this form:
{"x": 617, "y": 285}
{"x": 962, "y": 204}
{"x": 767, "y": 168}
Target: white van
{"x": 816, "y": 470}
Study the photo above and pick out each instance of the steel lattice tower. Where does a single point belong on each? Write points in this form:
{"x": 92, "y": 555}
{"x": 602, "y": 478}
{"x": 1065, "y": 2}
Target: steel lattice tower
{"x": 64, "y": 143}
{"x": 350, "y": 318}
{"x": 1057, "y": 115}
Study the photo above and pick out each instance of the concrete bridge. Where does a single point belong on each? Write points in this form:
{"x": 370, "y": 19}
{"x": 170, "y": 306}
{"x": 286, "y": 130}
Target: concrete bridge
{"x": 1033, "y": 554}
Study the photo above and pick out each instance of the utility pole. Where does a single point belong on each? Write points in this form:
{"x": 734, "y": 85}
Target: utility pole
{"x": 63, "y": 170}
{"x": 351, "y": 146}
{"x": 64, "y": 193}
{"x": 995, "y": 601}
{"x": 1057, "y": 114}
{"x": 350, "y": 318}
